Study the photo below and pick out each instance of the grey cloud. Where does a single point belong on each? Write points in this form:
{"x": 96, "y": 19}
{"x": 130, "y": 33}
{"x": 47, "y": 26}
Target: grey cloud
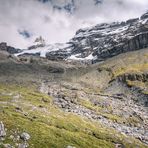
{"x": 39, "y": 18}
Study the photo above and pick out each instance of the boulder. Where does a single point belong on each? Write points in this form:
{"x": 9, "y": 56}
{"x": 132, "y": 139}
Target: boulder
{"x": 144, "y": 16}
{"x": 70, "y": 146}
{"x": 3, "y": 46}
{"x": 23, "y": 145}
{"x": 25, "y": 136}
{"x": 2, "y": 130}
{"x": 8, "y": 146}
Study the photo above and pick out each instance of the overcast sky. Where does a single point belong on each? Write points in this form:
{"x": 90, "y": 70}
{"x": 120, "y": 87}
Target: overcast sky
{"x": 21, "y": 21}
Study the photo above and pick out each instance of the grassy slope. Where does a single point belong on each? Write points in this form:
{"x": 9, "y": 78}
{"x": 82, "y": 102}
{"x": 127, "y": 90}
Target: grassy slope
{"x": 129, "y": 62}
{"x": 25, "y": 109}
{"x": 101, "y": 74}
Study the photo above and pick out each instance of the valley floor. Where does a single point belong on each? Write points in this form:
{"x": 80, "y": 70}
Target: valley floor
{"x": 45, "y": 105}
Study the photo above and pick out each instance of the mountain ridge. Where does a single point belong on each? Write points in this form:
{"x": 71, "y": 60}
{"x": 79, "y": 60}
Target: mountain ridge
{"x": 97, "y": 43}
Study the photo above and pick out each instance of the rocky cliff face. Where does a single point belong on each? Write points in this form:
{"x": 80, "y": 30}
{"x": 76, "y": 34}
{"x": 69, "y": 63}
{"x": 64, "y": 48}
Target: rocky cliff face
{"x": 106, "y": 40}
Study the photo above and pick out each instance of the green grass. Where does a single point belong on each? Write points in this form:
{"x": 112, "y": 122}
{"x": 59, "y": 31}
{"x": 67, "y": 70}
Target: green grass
{"x": 48, "y": 126}
{"x": 134, "y": 68}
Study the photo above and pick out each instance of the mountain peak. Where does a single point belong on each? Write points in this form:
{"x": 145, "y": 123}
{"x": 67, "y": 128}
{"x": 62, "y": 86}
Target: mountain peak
{"x": 39, "y": 40}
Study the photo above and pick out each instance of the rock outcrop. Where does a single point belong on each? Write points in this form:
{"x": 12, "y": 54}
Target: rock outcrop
{"x": 9, "y": 49}
{"x": 25, "y": 136}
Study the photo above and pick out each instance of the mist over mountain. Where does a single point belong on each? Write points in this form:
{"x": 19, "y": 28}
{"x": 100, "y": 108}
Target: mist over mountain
{"x": 56, "y": 20}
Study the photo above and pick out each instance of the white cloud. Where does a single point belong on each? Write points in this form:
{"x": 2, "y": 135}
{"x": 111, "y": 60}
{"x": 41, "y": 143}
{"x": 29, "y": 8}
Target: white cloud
{"x": 59, "y": 26}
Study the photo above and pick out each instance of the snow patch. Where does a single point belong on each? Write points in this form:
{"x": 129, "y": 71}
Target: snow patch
{"x": 76, "y": 57}
{"x": 44, "y": 50}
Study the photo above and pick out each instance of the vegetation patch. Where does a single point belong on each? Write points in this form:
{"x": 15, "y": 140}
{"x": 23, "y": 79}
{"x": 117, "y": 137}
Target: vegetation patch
{"x": 26, "y": 110}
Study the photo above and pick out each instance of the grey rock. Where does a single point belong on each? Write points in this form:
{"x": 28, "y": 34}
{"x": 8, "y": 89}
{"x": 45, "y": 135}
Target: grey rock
{"x": 70, "y": 146}
{"x": 9, "y": 49}
{"x": 25, "y": 136}
{"x": 57, "y": 55}
{"x": 2, "y": 130}
{"x": 3, "y": 46}
{"x": 55, "y": 69}
{"x": 144, "y": 16}
{"x": 8, "y": 146}
{"x": 23, "y": 145}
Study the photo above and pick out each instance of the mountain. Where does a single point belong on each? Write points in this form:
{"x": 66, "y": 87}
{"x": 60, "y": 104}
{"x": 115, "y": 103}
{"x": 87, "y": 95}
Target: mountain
{"x": 91, "y": 92}
{"x": 107, "y": 40}
{"x": 99, "y": 42}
